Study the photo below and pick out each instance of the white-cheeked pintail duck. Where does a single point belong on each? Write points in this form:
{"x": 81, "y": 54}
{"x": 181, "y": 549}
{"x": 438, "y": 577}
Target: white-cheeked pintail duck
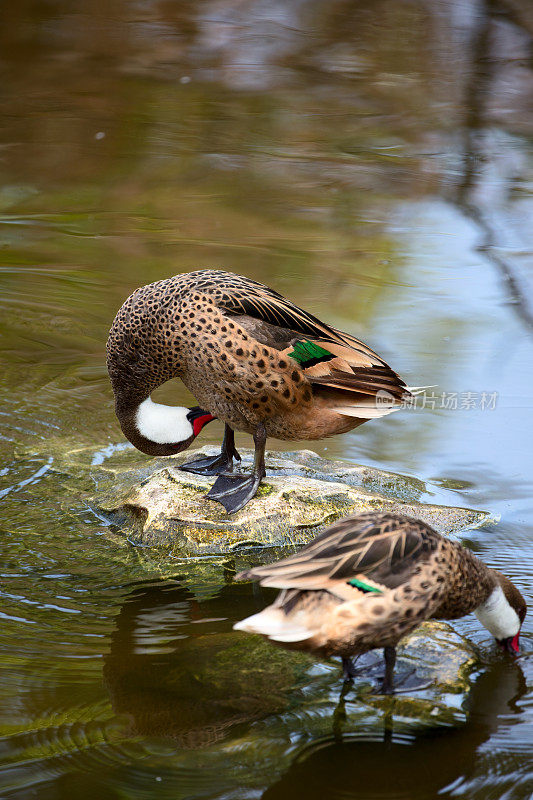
{"x": 368, "y": 580}
{"x": 252, "y": 359}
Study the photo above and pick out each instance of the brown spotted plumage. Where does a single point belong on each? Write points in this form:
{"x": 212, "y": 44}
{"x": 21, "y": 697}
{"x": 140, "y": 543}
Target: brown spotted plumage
{"x": 251, "y": 358}
{"x": 369, "y": 580}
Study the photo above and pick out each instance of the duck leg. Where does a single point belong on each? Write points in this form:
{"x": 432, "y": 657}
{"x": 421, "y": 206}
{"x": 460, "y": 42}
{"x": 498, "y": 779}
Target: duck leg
{"x": 407, "y": 685}
{"x": 214, "y": 465}
{"x": 350, "y": 671}
{"x": 235, "y": 491}
{"x": 387, "y": 686}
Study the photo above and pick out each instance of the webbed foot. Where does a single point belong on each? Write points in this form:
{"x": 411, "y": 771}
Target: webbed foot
{"x": 211, "y": 466}
{"x": 234, "y": 491}
{"x": 409, "y": 682}
{"x": 214, "y": 465}
{"x": 350, "y": 671}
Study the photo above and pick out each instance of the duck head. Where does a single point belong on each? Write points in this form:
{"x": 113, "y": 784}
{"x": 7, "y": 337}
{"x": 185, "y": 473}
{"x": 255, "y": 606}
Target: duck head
{"x": 139, "y": 359}
{"x": 160, "y": 430}
{"x": 503, "y": 613}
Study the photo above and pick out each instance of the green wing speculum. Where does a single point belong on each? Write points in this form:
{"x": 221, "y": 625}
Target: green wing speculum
{"x": 307, "y": 354}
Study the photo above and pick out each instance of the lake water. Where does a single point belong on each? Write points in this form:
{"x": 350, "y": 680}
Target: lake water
{"x": 372, "y": 162}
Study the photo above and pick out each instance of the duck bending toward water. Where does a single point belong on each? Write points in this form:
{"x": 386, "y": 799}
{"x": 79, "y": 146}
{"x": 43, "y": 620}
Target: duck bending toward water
{"x": 252, "y": 359}
{"x": 369, "y": 580}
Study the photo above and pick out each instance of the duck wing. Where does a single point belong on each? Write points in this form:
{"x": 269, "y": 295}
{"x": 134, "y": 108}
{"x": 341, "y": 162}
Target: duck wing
{"x": 346, "y": 376}
{"x": 330, "y": 359}
{"x": 376, "y": 550}
{"x": 243, "y": 297}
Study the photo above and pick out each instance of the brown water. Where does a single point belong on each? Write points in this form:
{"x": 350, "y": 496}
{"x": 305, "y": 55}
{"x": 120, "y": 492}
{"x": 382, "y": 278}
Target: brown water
{"x": 371, "y": 161}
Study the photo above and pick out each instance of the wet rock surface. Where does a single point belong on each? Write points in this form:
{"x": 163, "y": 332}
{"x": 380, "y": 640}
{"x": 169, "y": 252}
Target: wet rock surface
{"x": 156, "y": 504}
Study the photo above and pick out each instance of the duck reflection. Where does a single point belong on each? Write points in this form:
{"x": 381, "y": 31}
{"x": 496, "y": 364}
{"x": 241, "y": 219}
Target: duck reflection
{"x": 389, "y": 765}
{"x": 176, "y": 669}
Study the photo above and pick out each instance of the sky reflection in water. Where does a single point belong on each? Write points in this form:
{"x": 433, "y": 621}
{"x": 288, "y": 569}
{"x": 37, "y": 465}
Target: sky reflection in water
{"x": 370, "y": 161}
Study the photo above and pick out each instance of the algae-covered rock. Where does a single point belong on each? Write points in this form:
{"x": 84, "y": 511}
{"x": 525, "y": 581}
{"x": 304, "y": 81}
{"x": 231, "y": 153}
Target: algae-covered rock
{"x": 152, "y": 503}
{"x": 301, "y": 494}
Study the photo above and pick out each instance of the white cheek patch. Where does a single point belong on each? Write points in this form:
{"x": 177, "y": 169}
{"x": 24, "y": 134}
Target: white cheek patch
{"x": 163, "y": 424}
{"x": 498, "y": 616}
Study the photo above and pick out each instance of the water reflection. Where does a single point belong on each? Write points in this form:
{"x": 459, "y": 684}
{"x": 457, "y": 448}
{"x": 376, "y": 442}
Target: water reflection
{"x": 397, "y": 766}
{"x": 371, "y": 161}
{"x": 177, "y": 670}
{"x": 191, "y": 689}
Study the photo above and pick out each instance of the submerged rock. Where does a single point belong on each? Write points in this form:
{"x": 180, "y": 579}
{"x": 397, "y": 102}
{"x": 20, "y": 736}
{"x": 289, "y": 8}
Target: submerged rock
{"x": 158, "y": 505}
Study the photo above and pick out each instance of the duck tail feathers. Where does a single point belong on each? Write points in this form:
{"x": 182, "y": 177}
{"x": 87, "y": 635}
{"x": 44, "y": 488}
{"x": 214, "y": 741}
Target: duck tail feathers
{"x": 273, "y": 623}
{"x": 366, "y": 411}
{"x": 414, "y": 390}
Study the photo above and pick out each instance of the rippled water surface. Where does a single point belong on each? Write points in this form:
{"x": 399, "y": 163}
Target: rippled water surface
{"x": 371, "y": 161}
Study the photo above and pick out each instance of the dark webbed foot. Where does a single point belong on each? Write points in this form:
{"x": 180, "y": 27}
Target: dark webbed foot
{"x": 234, "y": 491}
{"x": 350, "y": 671}
{"x": 216, "y": 464}
{"x": 210, "y": 466}
{"x": 406, "y": 683}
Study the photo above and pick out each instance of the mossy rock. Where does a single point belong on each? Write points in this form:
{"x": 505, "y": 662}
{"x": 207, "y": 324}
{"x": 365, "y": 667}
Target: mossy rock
{"x": 153, "y": 504}
{"x": 157, "y": 505}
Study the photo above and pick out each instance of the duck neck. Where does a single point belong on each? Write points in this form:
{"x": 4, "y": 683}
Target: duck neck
{"x": 130, "y": 401}
{"x": 497, "y": 614}
{"x": 128, "y": 398}
{"x": 154, "y": 428}
{"x": 136, "y": 369}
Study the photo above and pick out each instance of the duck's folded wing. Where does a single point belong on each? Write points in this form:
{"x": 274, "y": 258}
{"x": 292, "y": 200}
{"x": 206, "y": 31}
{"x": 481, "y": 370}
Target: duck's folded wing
{"x": 348, "y": 376}
{"x": 242, "y": 297}
{"x": 384, "y": 548}
{"x": 341, "y": 363}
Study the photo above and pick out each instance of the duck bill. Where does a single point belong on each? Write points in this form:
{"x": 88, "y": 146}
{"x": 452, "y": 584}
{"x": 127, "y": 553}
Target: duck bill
{"x": 510, "y": 645}
{"x": 198, "y": 418}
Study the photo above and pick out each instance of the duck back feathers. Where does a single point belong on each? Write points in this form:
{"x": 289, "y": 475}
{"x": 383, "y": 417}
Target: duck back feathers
{"x": 366, "y": 582}
{"x": 380, "y": 547}
{"x": 250, "y": 356}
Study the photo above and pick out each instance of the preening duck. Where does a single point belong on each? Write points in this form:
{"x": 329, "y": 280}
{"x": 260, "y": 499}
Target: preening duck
{"x": 369, "y": 580}
{"x": 252, "y": 359}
